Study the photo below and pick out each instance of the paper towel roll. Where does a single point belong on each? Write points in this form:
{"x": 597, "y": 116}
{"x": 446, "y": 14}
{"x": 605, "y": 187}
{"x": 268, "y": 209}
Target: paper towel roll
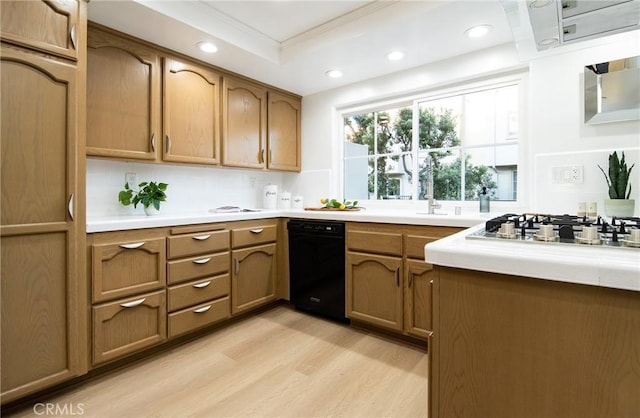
{"x": 270, "y": 196}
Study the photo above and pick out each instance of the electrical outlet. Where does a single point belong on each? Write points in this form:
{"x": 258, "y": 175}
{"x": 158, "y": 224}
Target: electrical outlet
{"x": 576, "y": 174}
{"x": 131, "y": 179}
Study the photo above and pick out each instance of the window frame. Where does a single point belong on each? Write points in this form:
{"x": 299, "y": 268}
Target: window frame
{"x": 519, "y": 78}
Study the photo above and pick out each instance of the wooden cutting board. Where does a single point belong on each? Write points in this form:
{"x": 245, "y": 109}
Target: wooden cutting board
{"x": 335, "y": 209}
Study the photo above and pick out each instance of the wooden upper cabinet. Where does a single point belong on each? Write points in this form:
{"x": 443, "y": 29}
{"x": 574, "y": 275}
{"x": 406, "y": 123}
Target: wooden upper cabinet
{"x": 191, "y": 113}
{"x": 52, "y": 27}
{"x": 244, "y": 124}
{"x": 284, "y": 132}
{"x": 123, "y": 98}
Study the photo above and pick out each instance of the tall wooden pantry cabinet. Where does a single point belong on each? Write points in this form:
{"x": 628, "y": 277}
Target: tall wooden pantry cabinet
{"x": 42, "y": 203}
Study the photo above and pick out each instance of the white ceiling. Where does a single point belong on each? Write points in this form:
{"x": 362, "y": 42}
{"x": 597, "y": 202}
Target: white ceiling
{"x": 292, "y": 43}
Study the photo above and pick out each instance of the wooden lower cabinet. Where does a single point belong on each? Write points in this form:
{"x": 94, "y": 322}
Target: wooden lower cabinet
{"x": 192, "y": 318}
{"x": 510, "y": 346}
{"x": 375, "y": 290}
{"x": 128, "y": 325}
{"x": 418, "y": 298}
{"x": 122, "y": 268}
{"x": 253, "y": 277}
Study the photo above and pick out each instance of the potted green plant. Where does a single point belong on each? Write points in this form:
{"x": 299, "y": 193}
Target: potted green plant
{"x": 150, "y": 194}
{"x": 618, "y": 204}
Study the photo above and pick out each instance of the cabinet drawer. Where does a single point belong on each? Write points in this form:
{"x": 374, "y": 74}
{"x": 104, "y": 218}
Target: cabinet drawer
{"x": 192, "y": 268}
{"x": 415, "y": 245}
{"x": 192, "y": 293}
{"x": 375, "y": 242}
{"x": 199, "y": 316}
{"x": 126, "y": 268}
{"x": 128, "y": 325}
{"x": 259, "y": 234}
{"x": 200, "y": 243}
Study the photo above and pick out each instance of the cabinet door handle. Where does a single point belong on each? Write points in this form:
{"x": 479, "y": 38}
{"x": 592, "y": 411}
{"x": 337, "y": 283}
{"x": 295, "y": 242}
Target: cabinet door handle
{"x": 202, "y": 260}
{"x": 168, "y": 145}
{"x": 431, "y": 281}
{"x": 202, "y": 237}
{"x": 256, "y": 231}
{"x": 70, "y": 206}
{"x": 201, "y": 285}
{"x": 202, "y": 310}
{"x": 398, "y": 276}
{"x": 262, "y": 155}
{"x": 153, "y": 142}
{"x": 133, "y": 303}
{"x": 132, "y": 246}
{"x": 237, "y": 265}
{"x": 270, "y": 157}
{"x": 73, "y": 35}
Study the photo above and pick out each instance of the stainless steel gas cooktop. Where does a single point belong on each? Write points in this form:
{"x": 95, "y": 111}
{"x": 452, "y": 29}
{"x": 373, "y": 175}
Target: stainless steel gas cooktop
{"x": 562, "y": 229}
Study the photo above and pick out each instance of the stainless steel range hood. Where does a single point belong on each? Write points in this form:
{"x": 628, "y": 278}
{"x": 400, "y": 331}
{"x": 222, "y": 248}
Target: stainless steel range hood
{"x": 558, "y": 22}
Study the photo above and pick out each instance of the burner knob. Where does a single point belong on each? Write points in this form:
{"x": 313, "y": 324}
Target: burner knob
{"x": 622, "y": 229}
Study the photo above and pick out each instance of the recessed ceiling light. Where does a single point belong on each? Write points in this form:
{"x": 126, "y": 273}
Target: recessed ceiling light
{"x": 536, "y": 4}
{"x": 548, "y": 42}
{"x": 334, "y": 73}
{"x": 478, "y": 31}
{"x": 207, "y": 47}
{"x": 395, "y": 55}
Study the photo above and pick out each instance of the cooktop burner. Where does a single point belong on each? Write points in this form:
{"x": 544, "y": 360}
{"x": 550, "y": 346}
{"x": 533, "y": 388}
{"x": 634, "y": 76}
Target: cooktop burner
{"x": 563, "y": 229}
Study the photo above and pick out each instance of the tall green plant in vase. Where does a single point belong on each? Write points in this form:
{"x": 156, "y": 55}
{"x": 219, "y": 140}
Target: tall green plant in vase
{"x": 619, "y": 187}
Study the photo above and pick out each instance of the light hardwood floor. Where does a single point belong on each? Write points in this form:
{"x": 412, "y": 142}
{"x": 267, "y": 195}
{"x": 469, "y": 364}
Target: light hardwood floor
{"x": 278, "y": 363}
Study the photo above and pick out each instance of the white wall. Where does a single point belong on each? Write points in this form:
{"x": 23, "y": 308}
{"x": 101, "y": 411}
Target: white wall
{"x": 553, "y": 132}
{"x": 191, "y": 188}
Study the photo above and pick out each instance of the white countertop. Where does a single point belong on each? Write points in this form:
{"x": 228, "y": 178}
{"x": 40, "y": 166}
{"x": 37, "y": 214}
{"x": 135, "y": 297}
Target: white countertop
{"x": 608, "y": 267}
{"x": 119, "y": 223}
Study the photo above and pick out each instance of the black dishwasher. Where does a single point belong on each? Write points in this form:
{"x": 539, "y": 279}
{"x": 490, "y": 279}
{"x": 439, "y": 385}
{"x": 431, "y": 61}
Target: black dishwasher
{"x": 316, "y": 267}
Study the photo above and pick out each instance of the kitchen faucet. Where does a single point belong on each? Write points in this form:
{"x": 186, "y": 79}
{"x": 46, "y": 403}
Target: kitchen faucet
{"x": 433, "y": 204}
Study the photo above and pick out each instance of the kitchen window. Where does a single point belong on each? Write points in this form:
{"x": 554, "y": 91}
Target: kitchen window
{"x": 461, "y": 141}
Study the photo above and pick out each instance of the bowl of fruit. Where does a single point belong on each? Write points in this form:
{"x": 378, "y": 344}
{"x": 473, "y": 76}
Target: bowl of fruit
{"x": 335, "y": 204}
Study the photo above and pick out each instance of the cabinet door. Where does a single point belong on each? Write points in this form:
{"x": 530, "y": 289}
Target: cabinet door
{"x": 191, "y": 118}
{"x": 60, "y": 18}
{"x": 123, "y": 98}
{"x": 284, "y": 132}
{"x": 243, "y": 124}
{"x": 418, "y": 298}
{"x": 125, "y": 268}
{"x": 128, "y": 325}
{"x": 253, "y": 279}
{"x": 40, "y": 289}
{"x": 374, "y": 289}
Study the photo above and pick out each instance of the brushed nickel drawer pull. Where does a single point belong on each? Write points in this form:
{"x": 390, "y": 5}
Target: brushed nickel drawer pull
{"x": 74, "y": 36}
{"x": 132, "y": 246}
{"x": 256, "y": 231}
{"x": 203, "y": 309}
{"x": 71, "y": 207}
{"x": 202, "y": 237}
{"x": 133, "y": 303}
{"x": 168, "y": 145}
{"x": 202, "y": 260}
{"x": 237, "y": 265}
{"x": 153, "y": 142}
{"x": 201, "y": 285}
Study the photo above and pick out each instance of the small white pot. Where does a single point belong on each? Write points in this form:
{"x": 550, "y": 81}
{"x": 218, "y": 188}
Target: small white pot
{"x": 151, "y": 210}
{"x": 620, "y": 208}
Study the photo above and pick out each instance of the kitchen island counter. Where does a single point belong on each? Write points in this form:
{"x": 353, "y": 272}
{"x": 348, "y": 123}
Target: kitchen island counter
{"x": 582, "y": 264}
{"x": 410, "y": 217}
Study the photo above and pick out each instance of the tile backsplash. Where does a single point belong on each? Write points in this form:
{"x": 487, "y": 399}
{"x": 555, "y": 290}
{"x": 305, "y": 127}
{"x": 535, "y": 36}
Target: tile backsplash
{"x": 191, "y": 189}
